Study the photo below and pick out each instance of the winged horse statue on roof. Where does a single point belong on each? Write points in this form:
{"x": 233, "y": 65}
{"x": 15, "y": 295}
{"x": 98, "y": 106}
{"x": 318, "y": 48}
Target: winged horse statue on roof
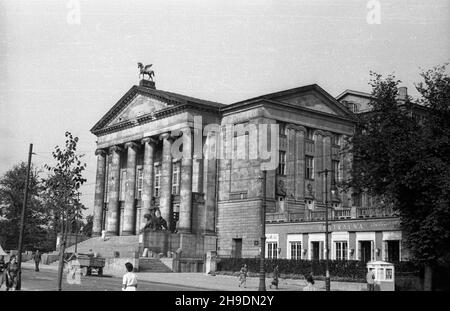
{"x": 145, "y": 70}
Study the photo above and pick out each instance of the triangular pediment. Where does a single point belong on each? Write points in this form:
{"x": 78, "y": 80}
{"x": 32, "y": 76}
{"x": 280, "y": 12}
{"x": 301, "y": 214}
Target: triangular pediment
{"x": 313, "y": 101}
{"x": 139, "y": 106}
{"x": 311, "y": 97}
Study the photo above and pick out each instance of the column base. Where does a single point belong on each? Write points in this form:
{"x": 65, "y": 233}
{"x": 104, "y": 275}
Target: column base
{"x": 128, "y": 233}
{"x": 184, "y": 230}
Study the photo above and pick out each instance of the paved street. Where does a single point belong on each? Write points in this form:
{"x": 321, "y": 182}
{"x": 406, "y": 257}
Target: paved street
{"x": 45, "y": 280}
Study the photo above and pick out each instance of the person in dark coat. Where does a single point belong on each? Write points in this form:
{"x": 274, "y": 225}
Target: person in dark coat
{"x": 10, "y": 274}
{"x": 37, "y": 259}
{"x": 276, "y": 275}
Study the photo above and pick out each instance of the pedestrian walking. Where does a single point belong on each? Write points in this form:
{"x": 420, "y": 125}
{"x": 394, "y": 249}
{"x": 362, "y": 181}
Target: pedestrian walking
{"x": 129, "y": 281}
{"x": 276, "y": 275}
{"x": 10, "y": 274}
{"x": 243, "y": 276}
{"x": 370, "y": 278}
{"x": 309, "y": 284}
{"x": 37, "y": 260}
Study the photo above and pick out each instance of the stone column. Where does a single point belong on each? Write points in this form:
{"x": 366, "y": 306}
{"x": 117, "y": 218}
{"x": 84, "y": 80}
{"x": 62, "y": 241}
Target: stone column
{"x": 165, "y": 198}
{"x": 129, "y": 213}
{"x": 318, "y": 166}
{"x": 300, "y": 163}
{"x": 147, "y": 183}
{"x": 291, "y": 174}
{"x": 114, "y": 185}
{"x": 327, "y": 165}
{"x": 209, "y": 185}
{"x": 99, "y": 192}
{"x": 186, "y": 183}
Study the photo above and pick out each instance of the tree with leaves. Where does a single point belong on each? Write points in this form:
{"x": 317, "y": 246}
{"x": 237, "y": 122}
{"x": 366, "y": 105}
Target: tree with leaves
{"x": 407, "y": 162}
{"x": 12, "y": 185}
{"x": 62, "y": 189}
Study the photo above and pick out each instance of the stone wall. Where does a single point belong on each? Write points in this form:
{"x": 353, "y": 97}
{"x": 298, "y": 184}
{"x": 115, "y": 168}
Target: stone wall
{"x": 192, "y": 245}
{"x": 239, "y": 220}
{"x": 116, "y": 266}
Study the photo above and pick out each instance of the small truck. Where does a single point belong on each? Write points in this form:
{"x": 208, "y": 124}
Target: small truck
{"x": 89, "y": 263}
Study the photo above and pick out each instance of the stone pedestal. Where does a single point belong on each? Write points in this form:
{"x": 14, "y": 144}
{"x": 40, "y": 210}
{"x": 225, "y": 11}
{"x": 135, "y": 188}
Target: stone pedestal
{"x": 191, "y": 245}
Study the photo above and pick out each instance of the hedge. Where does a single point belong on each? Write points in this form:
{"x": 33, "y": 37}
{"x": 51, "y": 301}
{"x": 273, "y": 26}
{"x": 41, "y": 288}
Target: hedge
{"x": 348, "y": 269}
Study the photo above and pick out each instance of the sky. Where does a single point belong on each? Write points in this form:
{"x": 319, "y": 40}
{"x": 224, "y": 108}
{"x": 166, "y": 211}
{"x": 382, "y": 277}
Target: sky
{"x": 65, "y": 63}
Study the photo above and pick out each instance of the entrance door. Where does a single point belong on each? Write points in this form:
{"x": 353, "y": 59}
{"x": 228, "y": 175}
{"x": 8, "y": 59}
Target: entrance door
{"x": 393, "y": 251}
{"x": 365, "y": 248}
{"x": 315, "y": 246}
{"x": 236, "y": 248}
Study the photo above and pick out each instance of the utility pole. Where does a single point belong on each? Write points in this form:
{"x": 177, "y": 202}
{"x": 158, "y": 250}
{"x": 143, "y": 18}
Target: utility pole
{"x": 327, "y": 254}
{"x": 262, "y": 273}
{"x": 22, "y": 220}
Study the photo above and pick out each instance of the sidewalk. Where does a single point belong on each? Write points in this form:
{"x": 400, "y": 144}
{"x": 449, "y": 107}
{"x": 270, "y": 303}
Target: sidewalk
{"x": 219, "y": 282}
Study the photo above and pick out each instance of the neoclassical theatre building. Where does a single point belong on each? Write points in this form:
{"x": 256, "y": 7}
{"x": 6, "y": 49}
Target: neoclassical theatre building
{"x": 153, "y": 155}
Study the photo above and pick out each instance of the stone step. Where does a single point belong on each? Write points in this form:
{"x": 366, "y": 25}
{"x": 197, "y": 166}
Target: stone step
{"x": 127, "y": 246}
{"x": 152, "y": 265}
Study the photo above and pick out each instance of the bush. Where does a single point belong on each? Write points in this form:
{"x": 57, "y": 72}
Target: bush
{"x": 345, "y": 269}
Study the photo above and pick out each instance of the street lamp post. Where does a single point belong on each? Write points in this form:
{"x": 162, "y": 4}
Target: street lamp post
{"x": 327, "y": 253}
{"x": 262, "y": 273}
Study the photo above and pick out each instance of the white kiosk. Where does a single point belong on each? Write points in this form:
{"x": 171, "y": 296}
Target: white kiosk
{"x": 384, "y": 275}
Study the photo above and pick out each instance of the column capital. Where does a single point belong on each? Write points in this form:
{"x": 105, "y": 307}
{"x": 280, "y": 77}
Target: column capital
{"x": 297, "y": 128}
{"x": 327, "y": 134}
{"x": 131, "y": 144}
{"x": 101, "y": 152}
{"x": 115, "y": 149}
{"x": 319, "y": 133}
{"x": 148, "y": 140}
{"x": 167, "y": 136}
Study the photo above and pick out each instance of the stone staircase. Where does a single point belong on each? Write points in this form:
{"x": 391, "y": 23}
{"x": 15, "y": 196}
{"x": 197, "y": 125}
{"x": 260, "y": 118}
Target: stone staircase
{"x": 152, "y": 264}
{"x": 127, "y": 246}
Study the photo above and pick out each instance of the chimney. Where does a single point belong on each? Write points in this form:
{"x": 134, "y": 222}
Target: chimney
{"x": 147, "y": 83}
{"x": 402, "y": 94}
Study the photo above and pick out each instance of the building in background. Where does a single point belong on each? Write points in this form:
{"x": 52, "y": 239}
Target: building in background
{"x": 215, "y": 204}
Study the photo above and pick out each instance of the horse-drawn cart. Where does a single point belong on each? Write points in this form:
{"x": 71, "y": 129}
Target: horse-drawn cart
{"x": 90, "y": 263}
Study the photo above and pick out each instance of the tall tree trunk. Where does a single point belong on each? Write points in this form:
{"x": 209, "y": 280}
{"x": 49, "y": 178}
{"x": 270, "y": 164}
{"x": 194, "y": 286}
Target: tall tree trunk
{"x": 62, "y": 249}
{"x": 428, "y": 278}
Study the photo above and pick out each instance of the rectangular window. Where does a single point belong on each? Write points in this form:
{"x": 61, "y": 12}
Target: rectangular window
{"x": 356, "y": 199}
{"x": 335, "y": 170}
{"x": 282, "y": 164}
{"x": 283, "y": 131}
{"x": 296, "y": 250}
{"x": 272, "y": 250}
{"x": 157, "y": 181}
{"x": 341, "y": 250}
{"x": 309, "y": 167}
{"x": 335, "y": 139}
{"x": 139, "y": 181}
{"x": 310, "y": 133}
{"x": 176, "y": 178}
